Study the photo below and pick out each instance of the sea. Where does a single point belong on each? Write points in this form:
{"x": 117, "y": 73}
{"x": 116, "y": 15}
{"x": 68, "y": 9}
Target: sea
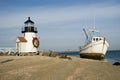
{"x": 111, "y": 56}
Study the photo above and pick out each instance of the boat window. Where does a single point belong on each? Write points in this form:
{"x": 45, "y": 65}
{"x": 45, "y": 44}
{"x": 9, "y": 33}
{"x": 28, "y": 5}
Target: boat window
{"x": 93, "y": 39}
{"x": 96, "y": 39}
{"x": 100, "y": 39}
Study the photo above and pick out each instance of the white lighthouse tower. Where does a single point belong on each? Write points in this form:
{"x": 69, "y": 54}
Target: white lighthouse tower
{"x": 28, "y": 43}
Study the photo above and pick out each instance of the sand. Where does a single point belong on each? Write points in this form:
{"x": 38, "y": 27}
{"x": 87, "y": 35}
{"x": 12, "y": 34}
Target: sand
{"x": 54, "y": 68}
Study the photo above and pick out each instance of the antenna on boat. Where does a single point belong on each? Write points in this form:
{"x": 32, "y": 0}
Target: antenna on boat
{"x": 94, "y": 20}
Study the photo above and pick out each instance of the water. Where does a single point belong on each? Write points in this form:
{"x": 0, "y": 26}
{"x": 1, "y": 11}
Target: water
{"x": 111, "y": 56}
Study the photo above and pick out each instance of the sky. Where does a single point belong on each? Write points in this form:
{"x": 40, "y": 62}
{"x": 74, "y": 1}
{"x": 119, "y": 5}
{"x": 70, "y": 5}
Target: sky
{"x": 60, "y": 23}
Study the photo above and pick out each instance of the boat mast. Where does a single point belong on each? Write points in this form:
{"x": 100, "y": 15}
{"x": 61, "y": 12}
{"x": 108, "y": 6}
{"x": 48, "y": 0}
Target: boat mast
{"x": 94, "y": 30}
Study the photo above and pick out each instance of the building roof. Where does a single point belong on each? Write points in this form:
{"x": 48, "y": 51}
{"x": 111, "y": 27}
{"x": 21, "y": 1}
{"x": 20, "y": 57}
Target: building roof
{"x": 29, "y": 21}
{"x": 22, "y": 39}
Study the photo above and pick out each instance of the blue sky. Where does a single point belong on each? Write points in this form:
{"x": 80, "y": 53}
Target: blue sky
{"x": 60, "y": 22}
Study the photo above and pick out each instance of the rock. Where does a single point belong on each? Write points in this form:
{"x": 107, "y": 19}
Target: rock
{"x": 64, "y": 56}
{"x": 117, "y": 63}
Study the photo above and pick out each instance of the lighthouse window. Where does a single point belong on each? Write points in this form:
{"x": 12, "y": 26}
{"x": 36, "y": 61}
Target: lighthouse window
{"x": 29, "y": 24}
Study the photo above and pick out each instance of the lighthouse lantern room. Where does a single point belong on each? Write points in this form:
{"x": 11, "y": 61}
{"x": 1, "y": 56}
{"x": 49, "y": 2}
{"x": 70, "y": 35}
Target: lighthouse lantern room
{"x": 29, "y": 41}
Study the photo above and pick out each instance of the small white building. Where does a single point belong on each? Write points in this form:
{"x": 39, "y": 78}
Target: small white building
{"x": 28, "y": 42}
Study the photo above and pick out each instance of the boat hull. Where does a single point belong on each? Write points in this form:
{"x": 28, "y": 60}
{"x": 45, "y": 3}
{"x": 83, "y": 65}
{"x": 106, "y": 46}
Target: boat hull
{"x": 94, "y": 50}
{"x": 97, "y": 56}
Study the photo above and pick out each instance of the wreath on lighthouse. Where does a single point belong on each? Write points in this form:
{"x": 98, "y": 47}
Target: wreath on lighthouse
{"x": 35, "y": 42}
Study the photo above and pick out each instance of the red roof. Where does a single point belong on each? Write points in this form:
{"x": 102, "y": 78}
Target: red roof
{"x": 22, "y": 39}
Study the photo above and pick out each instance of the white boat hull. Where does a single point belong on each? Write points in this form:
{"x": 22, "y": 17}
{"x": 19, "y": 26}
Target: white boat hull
{"x": 98, "y": 48}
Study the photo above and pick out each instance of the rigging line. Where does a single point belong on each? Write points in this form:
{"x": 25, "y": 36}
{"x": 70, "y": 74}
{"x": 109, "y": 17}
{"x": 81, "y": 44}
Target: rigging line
{"x": 94, "y": 20}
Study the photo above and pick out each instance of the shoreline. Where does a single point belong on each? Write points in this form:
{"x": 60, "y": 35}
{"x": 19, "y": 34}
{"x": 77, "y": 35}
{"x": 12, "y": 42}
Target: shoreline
{"x": 54, "y": 54}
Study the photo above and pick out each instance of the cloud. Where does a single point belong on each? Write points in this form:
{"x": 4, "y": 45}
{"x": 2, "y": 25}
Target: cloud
{"x": 59, "y": 15}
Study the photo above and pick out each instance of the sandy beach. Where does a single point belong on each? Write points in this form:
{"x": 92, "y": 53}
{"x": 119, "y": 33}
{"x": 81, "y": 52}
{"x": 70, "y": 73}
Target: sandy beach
{"x": 54, "y": 68}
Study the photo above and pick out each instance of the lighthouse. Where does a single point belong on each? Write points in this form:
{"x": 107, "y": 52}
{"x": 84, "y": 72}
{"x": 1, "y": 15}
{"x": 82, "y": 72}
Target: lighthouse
{"x": 28, "y": 42}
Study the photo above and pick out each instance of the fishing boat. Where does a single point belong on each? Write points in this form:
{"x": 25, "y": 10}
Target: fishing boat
{"x": 95, "y": 45}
